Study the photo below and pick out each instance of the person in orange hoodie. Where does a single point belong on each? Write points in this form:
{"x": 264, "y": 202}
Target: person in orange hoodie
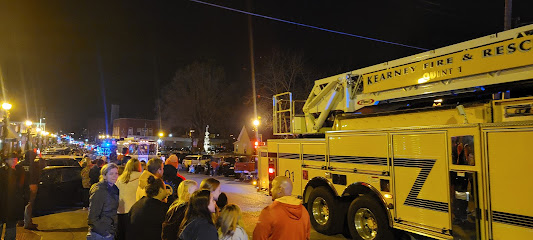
{"x": 285, "y": 218}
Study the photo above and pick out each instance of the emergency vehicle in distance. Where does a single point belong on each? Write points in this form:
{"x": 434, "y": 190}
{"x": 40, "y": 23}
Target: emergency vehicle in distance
{"x": 143, "y": 150}
{"x": 431, "y": 143}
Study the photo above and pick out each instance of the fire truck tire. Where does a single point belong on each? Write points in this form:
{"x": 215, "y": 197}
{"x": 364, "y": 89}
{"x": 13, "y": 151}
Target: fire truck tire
{"x": 323, "y": 212}
{"x": 367, "y": 220}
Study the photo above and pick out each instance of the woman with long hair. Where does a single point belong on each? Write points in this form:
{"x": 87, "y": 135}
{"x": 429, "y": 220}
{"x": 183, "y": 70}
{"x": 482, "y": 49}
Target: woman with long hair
{"x": 176, "y": 212}
{"x": 103, "y": 205}
{"x": 213, "y": 185}
{"x": 127, "y": 183}
{"x": 147, "y": 215}
{"x": 198, "y": 222}
{"x": 229, "y": 224}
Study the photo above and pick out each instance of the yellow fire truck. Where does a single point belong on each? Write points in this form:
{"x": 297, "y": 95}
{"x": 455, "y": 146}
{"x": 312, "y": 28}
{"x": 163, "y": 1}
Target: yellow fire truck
{"x": 431, "y": 144}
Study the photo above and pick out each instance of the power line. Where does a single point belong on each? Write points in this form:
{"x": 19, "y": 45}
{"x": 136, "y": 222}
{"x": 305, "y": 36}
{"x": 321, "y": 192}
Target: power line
{"x": 309, "y": 26}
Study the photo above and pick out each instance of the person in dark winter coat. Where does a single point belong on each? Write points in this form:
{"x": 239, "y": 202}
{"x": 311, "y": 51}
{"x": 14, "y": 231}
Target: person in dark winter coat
{"x": 147, "y": 215}
{"x": 13, "y": 196}
{"x": 198, "y": 223}
{"x": 103, "y": 205}
{"x": 94, "y": 173}
{"x": 171, "y": 176}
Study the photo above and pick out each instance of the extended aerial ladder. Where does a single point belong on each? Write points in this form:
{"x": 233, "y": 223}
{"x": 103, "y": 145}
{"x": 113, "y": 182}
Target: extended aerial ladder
{"x": 459, "y": 68}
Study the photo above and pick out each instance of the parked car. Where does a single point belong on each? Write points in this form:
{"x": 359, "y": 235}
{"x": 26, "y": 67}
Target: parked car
{"x": 227, "y": 165}
{"x": 195, "y": 160}
{"x": 246, "y": 168}
{"x": 59, "y": 187}
{"x": 63, "y": 160}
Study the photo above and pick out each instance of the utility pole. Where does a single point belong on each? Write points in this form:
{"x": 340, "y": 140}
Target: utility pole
{"x": 252, "y": 63}
{"x": 508, "y": 15}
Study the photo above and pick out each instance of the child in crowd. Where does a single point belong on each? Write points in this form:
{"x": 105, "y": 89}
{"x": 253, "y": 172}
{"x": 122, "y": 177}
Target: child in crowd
{"x": 228, "y": 224}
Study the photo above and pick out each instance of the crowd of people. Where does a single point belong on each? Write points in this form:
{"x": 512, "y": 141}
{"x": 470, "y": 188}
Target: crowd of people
{"x": 137, "y": 204}
{"x": 151, "y": 201}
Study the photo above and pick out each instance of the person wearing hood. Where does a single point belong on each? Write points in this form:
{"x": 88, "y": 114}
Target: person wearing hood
{"x": 198, "y": 222}
{"x": 285, "y": 218}
{"x": 171, "y": 176}
{"x": 155, "y": 167}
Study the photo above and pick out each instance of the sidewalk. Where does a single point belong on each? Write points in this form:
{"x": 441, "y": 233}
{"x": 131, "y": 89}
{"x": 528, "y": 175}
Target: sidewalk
{"x": 70, "y": 225}
{"x": 24, "y": 234}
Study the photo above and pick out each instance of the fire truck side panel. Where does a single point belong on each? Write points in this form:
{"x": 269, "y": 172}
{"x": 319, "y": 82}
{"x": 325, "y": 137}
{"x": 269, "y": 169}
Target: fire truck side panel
{"x": 262, "y": 168}
{"x": 314, "y": 155}
{"x": 290, "y": 165}
{"x": 359, "y": 152}
{"x": 314, "y": 164}
{"x": 474, "y": 114}
{"x": 510, "y": 165}
{"x": 421, "y": 178}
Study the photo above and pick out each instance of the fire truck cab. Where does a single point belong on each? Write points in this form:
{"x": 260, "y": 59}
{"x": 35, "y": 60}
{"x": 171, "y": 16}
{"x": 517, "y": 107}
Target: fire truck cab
{"x": 436, "y": 144}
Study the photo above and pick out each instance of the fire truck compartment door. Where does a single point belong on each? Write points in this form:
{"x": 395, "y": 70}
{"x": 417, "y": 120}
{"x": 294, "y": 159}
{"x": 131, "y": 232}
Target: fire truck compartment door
{"x": 314, "y": 155}
{"x": 290, "y": 165}
{"x": 421, "y": 179}
{"x": 510, "y": 167}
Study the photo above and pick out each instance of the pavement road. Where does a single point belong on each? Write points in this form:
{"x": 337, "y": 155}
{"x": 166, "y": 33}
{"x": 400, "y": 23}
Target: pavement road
{"x": 72, "y": 225}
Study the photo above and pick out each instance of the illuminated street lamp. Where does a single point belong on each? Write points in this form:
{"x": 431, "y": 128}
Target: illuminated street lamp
{"x": 6, "y": 106}
{"x": 161, "y": 134}
{"x": 38, "y": 130}
{"x": 28, "y": 135}
{"x": 256, "y": 123}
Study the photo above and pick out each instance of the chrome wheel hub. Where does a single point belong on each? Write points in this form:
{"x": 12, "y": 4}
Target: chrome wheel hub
{"x": 366, "y": 224}
{"x": 320, "y": 211}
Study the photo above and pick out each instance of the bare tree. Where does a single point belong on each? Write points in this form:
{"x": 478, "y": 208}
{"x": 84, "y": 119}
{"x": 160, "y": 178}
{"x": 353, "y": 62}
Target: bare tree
{"x": 282, "y": 72}
{"x": 193, "y": 99}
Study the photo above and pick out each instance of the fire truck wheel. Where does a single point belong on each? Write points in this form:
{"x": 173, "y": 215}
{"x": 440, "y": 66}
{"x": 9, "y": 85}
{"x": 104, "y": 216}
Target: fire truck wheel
{"x": 367, "y": 220}
{"x": 322, "y": 211}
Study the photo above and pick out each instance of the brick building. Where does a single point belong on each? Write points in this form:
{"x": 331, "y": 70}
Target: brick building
{"x": 132, "y": 127}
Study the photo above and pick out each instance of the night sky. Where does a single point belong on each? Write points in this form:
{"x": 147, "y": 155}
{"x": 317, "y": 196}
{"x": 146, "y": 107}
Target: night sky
{"x": 63, "y": 58}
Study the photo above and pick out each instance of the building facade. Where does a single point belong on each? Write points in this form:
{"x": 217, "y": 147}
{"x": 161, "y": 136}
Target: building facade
{"x": 132, "y": 127}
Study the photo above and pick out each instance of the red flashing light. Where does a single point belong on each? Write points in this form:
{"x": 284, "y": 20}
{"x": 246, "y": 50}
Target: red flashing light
{"x": 271, "y": 170}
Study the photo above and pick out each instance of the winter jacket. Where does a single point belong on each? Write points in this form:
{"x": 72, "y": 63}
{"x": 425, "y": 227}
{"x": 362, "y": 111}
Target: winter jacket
{"x": 94, "y": 174}
{"x": 285, "y": 218}
{"x": 239, "y": 234}
{"x": 172, "y": 222}
{"x": 103, "y": 208}
{"x": 145, "y": 218}
{"x": 199, "y": 229}
{"x": 13, "y": 193}
{"x": 143, "y": 182}
{"x": 172, "y": 180}
{"x": 128, "y": 191}
{"x": 85, "y": 178}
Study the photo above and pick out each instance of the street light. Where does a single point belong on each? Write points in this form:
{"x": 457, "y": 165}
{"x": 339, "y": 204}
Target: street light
{"x": 256, "y": 123}
{"x": 6, "y": 106}
{"x": 38, "y": 130}
{"x": 28, "y": 135}
{"x": 161, "y": 134}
